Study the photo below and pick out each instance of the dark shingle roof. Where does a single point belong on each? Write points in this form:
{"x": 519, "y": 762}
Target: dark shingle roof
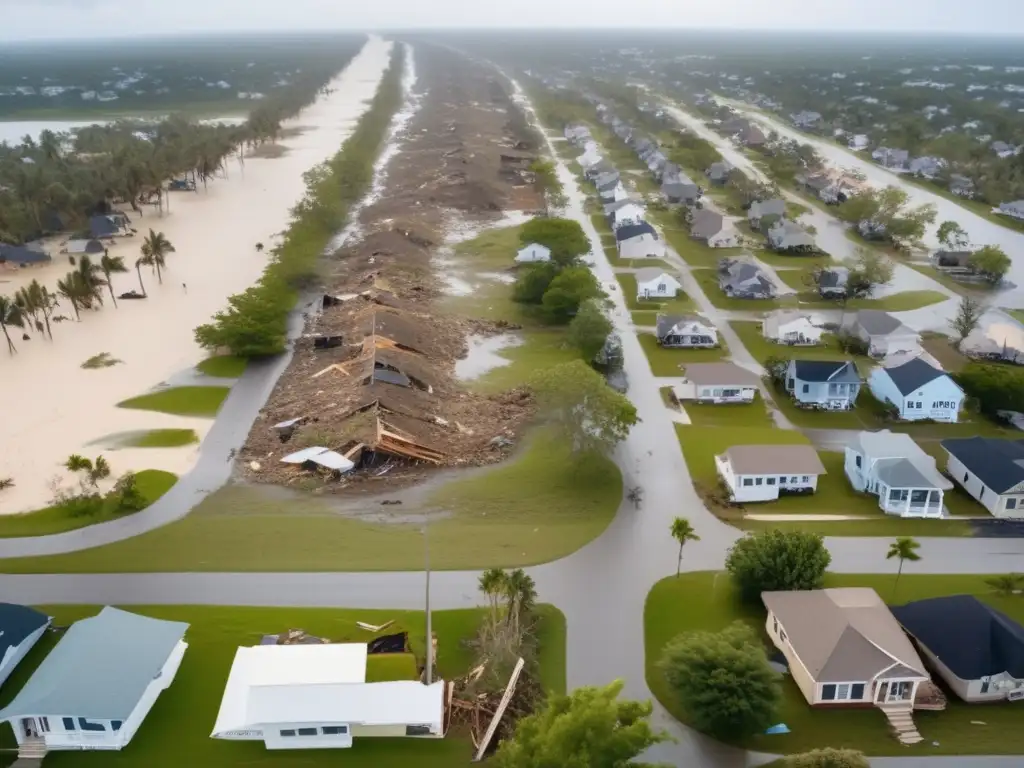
{"x": 913, "y": 374}
{"x": 824, "y": 370}
{"x": 20, "y": 254}
{"x": 18, "y": 622}
{"x": 634, "y": 230}
{"x": 999, "y": 464}
{"x": 971, "y": 638}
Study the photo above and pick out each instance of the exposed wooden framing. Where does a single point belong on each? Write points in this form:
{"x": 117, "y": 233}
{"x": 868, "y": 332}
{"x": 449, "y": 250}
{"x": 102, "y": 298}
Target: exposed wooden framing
{"x": 505, "y": 699}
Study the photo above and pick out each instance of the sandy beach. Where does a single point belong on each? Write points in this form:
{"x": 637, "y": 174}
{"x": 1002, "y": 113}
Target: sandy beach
{"x": 53, "y": 407}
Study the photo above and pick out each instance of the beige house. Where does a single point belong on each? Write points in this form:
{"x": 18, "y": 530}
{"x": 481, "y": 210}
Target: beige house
{"x": 844, "y": 648}
{"x": 717, "y": 383}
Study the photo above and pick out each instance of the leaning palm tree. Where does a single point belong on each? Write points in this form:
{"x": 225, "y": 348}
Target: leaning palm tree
{"x": 74, "y": 288}
{"x": 154, "y": 251}
{"x": 109, "y": 265}
{"x": 89, "y": 279}
{"x": 10, "y": 315}
{"x": 682, "y": 532}
{"x": 138, "y": 270}
{"x": 904, "y": 548}
{"x": 38, "y": 297}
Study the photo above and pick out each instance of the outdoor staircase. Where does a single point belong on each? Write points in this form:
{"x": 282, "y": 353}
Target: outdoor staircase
{"x": 901, "y": 718}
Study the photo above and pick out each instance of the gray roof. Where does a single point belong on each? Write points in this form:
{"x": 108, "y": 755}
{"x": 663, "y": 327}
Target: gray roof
{"x": 774, "y": 207}
{"x": 789, "y": 234}
{"x": 901, "y": 462}
{"x": 724, "y": 374}
{"x": 99, "y": 669}
{"x": 706, "y": 223}
{"x": 833, "y": 277}
{"x": 666, "y": 323}
{"x": 875, "y": 322}
{"x": 650, "y": 273}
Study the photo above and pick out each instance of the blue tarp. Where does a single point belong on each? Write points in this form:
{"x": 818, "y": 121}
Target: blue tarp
{"x": 777, "y": 729}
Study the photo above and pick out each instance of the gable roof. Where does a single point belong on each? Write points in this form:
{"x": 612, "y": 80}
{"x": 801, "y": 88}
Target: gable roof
{"x": 913, "y": 375}
{"x": 647, "y": 274}
{"x": 100, "y": 668}
{"x": 726, "y": 374}
{"x": 825, "y": 370}
{"x": 665, "y": 323}
{"x": 902, "y": 463}
{"x": 774, "y": 460}
{"x": 630, "y": 231}
{"x": 971, "y": 638}
{"x": 999, "y": 464}
{"x": 876, "y": 322}
{"x": 844, "y": 635}
{"x": 833, "y": 277}
{"x": 18, "y": 622}
{"x": 706, "y": 223}
{"x": 773, "y": 207}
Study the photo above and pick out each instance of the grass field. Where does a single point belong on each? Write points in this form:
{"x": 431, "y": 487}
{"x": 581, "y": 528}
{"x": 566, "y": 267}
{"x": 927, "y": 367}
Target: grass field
{"x": 223, "y": 366}
{"x": 177, "y": 730}
{"x": 162, "y": 438}
{"x": 180, "y": 401}
{"x": 153, "y": 483}
{"x": 538, "y": 506}
{"x": 706, "y": 601}
{"x": 541, "y": 347}
{"x": 761, "y": 348}
{"x": 667, "y": 362}
{"x": 644, "y": 317}
{"x": 743, "y": 415}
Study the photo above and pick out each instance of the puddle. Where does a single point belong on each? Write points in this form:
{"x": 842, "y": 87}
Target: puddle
{"x": 456, "y": 286}
{"x": 483, "y": 355}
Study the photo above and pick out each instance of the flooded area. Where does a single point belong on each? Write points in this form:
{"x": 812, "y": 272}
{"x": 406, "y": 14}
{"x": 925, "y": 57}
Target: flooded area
{"x": 215, "y": 232}
{"x": 483, "y": 355}
{"x": 13, "y": 131}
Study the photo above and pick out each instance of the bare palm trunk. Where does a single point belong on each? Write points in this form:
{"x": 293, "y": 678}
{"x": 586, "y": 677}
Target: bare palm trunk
{"x": 138, "y": 269}
{"x": 896, "y": 584}
{"x": 679, "y": 560}
{"x": 159, "y": 276}
{"x": 10, "y": 344}
{"x": 74, "y": 305}
{"x": 110, "y": 287}
{"x": 46, "y": 318}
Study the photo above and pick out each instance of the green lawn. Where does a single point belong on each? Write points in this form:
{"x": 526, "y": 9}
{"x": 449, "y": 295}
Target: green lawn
{"x": 706, "y": 601}
{"x": 742, "y": 415}
{"x": 1016, "y": 314}
{"x": 693, "y": 252}
{"x": 627, "y": 281}
{"x": 180, "y": 401}
{"x": 666, "y": 362}
{"x": 161, "y": 438}
{"x": 223, "y": 366}
{"x": 177, "y": 730}
{"x": 601, "y": 224}
{"x": 540, "y": 505}
{"x": 898, "y": 302}
{"x": 492, "y": 248}
{"x": 153, "y": 483}
{"x": 797, "y": 262}
{"x": 940, "y": 347}
{"x": 644, "y": 317}
{"x": 762, "y": 348}
{"x": 542, "y": 347}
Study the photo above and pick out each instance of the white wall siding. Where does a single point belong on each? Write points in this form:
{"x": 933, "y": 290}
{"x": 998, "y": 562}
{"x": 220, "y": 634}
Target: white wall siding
{"x": 970, "y": 483}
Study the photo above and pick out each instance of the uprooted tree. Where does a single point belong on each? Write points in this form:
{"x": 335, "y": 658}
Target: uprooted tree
{"x": 591, "y": 415}
{"x": 590, "y": 728}
{"x": 565, "y": 238}
{"x": 869, "y": 269}
{"x": 723, "y": 681}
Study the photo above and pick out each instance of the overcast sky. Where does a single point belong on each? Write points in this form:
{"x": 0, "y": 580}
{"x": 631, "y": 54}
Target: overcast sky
{"x": 47, "y": 19}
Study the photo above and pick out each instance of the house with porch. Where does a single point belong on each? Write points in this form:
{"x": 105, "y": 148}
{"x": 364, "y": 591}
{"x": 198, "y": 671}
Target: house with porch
{"x": 989, "y": 470}
{"x": 717, "y": 383}
{"x": 98, "y": 683}
{"x": 829, "y": 384}
{"x": 918, "y": 391}
{"x": 626, "y": 215}
{"x": 845, "y": 649}
{"x": 685, "y": 331}
{"x": 833, "y": 282}
{"x": 786, "y": 235}
{"x": 755, "y": 473}
{"x": 976, "y": 650}
{"x": 744, "y": 279}
{"x": 792, "y": 327}
{"x": 891, "y": 466}
{"x": 1014, "y": 209}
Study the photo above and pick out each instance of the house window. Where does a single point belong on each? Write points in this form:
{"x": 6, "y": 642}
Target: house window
{"x": 965, "y": 477}
{"x": 782, "y": 634}
{"x": 1011, "y": 503}
{"x": 775, "y": 625}
{"x": 842, "y": 691}
{"x": 857, "y": 461}
{"x": 716, "y": 392}
{"x": 807, "y": 388}
{"x": 115, "y": 725}
{"x": 770, "y": 481}
{"x": 44, "y": 724}
{"x": 984, "y": 684}
{"x": 898, "y": 495}
{"x": 782, "y": 481}
{"x": 69, "y": 723}
{"x": 661, "y": 288}
{"x": 758, "y": 481}
{"x": 89, "y": 725}
{"x": 747, "y": 481}
{"x": 417, "y": 730}
{"x": 857, "y": 691}
{"x": 792, "y": 481}
{"x": 981, "y": 493}
{"x": 289, "y": 732}
{"x": 807, "y": 478}
{"x": 308, "y": 732}
{"x": 334, "y": 730}
{"x": 828, "y": 693}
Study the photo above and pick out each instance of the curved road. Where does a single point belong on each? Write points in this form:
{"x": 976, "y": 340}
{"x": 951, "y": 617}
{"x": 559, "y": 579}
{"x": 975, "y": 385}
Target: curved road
{"x": 601, "y": 588}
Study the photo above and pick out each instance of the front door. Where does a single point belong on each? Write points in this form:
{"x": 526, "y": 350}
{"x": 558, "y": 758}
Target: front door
{"x": 28, "y": 724}
{"x": 894, "y": 692}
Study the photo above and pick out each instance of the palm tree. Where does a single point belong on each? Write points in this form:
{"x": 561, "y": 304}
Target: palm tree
{"x": 90, "y": 281}
{"x": 1007, "y": 584}
{"x": 138, "y": 270}
{"x": 28, "y": 305}
{"x": 904, "y": 548}
{"x": 36, "y": 298}
{"x": 492, "y": 584}
{"x": 154, "y": 250}
{"x": 682, "y": 532}
{"x": 521, "y": 594}
{"x": 10, "y": 314}
{"x": 72, "y": 288}
{"x": 109, "y": 265}
{"x": 95, "y": 470}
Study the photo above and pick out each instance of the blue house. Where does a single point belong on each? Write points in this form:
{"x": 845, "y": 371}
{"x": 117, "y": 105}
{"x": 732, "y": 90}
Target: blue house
{"x": 21, "y": 255}
{"x": 109, "y": 225}
{"x": 829, "y": 384}
{"x": 20, "y": 629}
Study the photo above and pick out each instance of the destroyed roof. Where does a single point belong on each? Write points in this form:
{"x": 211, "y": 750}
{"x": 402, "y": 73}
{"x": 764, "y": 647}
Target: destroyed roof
{"x": 396, "y": 328}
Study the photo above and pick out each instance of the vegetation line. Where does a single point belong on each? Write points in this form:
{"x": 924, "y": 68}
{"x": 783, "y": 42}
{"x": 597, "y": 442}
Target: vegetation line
{"x": 255, "y": 323}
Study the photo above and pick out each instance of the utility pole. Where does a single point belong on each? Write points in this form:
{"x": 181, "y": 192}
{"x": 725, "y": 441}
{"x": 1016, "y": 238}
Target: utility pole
{"x": 430, "y": 635}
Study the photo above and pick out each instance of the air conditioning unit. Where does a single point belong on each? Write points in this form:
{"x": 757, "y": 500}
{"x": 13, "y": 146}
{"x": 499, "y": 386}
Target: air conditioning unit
{"x": 1017, "y": 695}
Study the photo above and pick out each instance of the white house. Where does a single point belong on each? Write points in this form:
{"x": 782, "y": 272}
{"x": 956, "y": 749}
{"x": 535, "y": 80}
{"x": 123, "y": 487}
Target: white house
{"x": 639, "y": 241}
{"x": 654, "y": 283}
{"x": 829, "y": 384}
{"x": 686, "y": 332}
{"x": 893, "y": 467}
{"x": 591, "y": 156}
{"x": 858, "y": 142}
{"x": 317, "y": 697}
{"x": 532, "y": 253}
{"x": 764, "y": 472}
{"x": 717, "y": 383}
{"x": 628, "y": 214}
{"x": 883, "y": 333}
{"x": 792, "y": 327}
{"x": 99, "y": 682}
{"x": 918, "y": 390}
{"x": 990, "y": 470}
{"x": 20, "y": 629}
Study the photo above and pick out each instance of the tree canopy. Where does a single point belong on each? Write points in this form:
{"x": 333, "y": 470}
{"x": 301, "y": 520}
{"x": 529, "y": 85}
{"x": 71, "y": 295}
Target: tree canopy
{"x": 589, "y": 329}
{"x": 994, "y": 387}
{"x": 567, "y": 291}
{"x": 991, "y": 262}
{"x": 723, "y": 681}
{"x": 777, "y": 560}
{"x": 827, "y": 758}
{"x": 564, "y": 237}
{"x": 592, "y": 415}
{"x": 887, "y": 215}
{"x": 590, "y": 728}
